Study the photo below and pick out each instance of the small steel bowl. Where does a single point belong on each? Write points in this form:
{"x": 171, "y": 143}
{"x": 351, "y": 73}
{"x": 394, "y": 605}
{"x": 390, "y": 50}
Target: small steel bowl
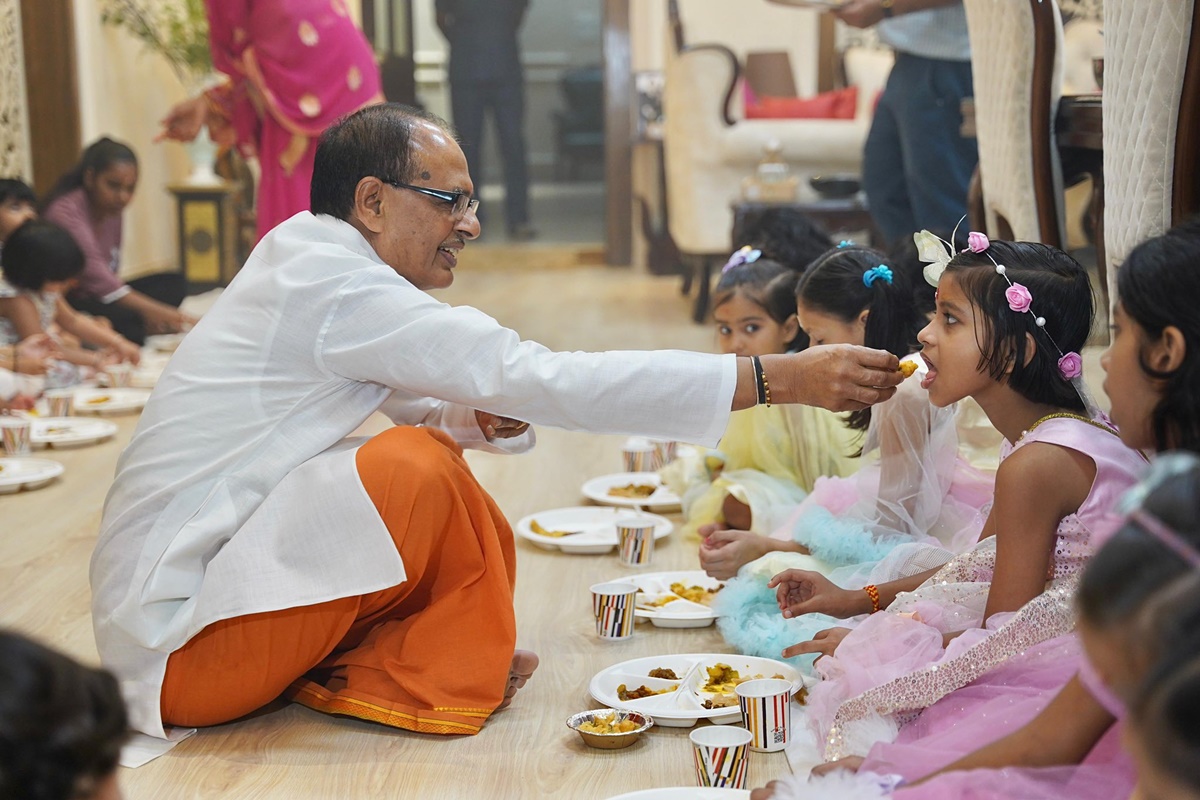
{"x": 610, "y": 741}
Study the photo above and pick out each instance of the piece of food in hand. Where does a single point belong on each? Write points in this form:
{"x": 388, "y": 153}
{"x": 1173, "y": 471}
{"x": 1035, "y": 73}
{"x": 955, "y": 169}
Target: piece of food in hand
{"x": 608, "y": 724}
{"x": 624, "y": 693}
{"x": 908, "y": 368}
{"x": 638, "y": 490}
{"x": 696, "y": 594}
{"x": 541, "y": 531}
{"x": 663, "y": 672}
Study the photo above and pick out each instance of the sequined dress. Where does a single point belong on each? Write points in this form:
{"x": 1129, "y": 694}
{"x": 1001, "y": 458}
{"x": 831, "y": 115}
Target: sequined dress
{"x": 893, "y": 665}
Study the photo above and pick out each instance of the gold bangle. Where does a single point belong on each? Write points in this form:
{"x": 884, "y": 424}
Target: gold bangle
{"x": 766, "y": 385}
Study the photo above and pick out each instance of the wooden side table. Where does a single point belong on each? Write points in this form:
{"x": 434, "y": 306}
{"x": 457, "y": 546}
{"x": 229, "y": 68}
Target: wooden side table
{"x": 208, "y": 253}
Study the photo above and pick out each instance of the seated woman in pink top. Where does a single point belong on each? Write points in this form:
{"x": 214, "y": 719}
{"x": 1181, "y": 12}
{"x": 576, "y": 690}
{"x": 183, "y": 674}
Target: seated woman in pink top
{"x": 88, "y": 201}
{"x": 294, "y": 67}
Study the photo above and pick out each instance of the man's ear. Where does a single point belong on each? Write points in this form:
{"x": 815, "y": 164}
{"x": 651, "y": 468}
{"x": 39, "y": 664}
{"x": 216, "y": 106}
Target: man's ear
{"x": 1167, "y": 353}
{"x": 368, "y": 203}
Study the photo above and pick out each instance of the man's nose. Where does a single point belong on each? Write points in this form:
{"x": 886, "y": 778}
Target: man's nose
{"x": 469, "y": 225}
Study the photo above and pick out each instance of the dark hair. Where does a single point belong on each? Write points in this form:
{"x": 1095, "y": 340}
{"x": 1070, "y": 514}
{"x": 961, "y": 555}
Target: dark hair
{"x": 833, "y": 284}
{"x": 1157, "y": 286}
{"x": 1062, "y": 295}
{"x": 903, "y": 256}
{"x": 96, "y": 158}
{"x": 18, "y": 190}
{"x": 60, "y": 722}
{"x": 1134, "y": 565}
{"x": 765, "y": 283}
{"x": 40, "y": 251}
{"x": 1166, "y": 716}
{"x": 373, "y": 141}
{"x": 782, "y": 234}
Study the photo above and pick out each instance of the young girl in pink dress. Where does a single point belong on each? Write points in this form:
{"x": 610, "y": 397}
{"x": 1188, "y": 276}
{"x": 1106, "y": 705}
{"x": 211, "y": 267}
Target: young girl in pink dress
{"x": 1018, "y": 732}
{"x": 1010, "y": 320}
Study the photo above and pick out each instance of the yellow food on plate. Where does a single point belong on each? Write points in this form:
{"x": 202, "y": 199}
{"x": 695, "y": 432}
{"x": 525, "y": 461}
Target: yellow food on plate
{"x": 665, "y": 673}
{"x": 723, "y": 678}
{"x": 720, "y": 701}
{"x": 540, "y": 531}
{"x": 99, "y": 399}
{"x": 658, "y": 602}
{"x": 639, "y": 490}
{"x": 56, "y": 430}
{"x": 908, "y": 368}
{"x": 696, "y": 594}
{"x": 624, "y": 693}
{"x": 608, "y": 724}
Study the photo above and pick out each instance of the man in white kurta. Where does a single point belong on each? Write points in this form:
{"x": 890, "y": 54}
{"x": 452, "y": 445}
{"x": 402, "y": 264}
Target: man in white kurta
{"x": 238, "y": 498}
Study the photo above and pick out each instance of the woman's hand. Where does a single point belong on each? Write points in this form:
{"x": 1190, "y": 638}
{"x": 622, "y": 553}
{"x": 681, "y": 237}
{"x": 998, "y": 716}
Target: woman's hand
{"x": 824, "y": 643}
{"x": 182, "y": 123}
{"x": 497, "y": 427}
{"x": 723, "y": 552}
{"x": 800, "y": 591}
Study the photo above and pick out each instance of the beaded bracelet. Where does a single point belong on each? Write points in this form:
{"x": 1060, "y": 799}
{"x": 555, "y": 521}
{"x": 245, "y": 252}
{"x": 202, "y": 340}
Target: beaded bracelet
{"x": 873, "y": 593}
{"x": 761, "y": 384}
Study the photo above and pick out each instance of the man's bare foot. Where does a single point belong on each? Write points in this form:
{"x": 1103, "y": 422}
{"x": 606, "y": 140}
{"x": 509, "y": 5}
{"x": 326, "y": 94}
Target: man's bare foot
{"x": 524, "y": 662}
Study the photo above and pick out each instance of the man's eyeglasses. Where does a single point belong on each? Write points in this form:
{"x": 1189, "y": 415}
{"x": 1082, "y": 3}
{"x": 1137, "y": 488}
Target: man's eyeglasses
{"x": 460, "y": 202}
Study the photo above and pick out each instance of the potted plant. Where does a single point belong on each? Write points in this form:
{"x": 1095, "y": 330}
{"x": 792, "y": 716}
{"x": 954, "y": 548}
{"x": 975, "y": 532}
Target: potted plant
{"x": 178, "y": 31}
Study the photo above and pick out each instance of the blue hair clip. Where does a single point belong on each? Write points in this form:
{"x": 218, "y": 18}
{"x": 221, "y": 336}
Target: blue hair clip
{"x": 876, "y": 273}
{"x": 845, "y": 243}
{"x": 746, "y": 255}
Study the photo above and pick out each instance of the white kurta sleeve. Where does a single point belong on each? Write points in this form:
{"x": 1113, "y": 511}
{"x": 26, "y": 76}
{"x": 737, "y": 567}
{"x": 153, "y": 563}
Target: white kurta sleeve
{"x": 458, "y": 421}
{"x": 386, "y": 331}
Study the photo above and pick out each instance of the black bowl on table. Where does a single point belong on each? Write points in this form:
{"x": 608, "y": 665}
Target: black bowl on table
{"x": 835, "y": 187}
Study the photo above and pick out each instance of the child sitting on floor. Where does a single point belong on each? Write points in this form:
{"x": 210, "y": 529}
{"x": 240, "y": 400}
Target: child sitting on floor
{"x": 40, "y": 263}
{"x": 769, "y": 456}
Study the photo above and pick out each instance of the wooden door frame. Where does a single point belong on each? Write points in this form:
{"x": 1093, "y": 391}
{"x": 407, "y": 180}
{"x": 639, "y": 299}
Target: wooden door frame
{"x": 618, "y": 133}
{"x": 51, "y": 88}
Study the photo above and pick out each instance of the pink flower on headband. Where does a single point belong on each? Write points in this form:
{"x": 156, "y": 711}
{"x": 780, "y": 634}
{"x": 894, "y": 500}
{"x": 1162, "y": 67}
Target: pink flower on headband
{"x": 1070, "y": 366}
{"x": 977, "y": 242}
{"x": 1019, "y": 298}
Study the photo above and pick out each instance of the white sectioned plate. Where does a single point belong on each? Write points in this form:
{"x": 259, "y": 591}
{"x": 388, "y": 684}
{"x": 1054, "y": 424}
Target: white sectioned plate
{"x": 683, "y": 707}
{"x": 69, "y": 431}
{"x": 27, "y": 473}
{"x": 110, "y": 401}
{"x": 597, "y": 489}
{"x": 678, "y": 612}
{"x": 597, "y": 523}
{"x": 685, "y": 793}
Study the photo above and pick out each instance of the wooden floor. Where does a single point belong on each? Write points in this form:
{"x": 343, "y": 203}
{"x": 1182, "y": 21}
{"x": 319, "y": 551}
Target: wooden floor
{"x": 523, "y": 752}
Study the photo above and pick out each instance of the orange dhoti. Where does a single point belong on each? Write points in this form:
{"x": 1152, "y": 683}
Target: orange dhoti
{"x": 431, "y": 654}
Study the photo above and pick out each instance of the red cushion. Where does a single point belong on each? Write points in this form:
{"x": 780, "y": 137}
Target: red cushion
{"x": 837, "y": 104}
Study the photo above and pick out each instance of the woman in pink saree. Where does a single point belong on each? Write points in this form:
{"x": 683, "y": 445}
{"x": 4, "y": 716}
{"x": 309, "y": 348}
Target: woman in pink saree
{"x": 294, "y": 66}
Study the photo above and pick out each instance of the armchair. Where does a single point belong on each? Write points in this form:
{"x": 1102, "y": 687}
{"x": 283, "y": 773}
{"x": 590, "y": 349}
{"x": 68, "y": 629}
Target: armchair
{"x": 709, "y": 146}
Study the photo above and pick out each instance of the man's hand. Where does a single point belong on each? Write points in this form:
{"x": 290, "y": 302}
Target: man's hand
{"x": 496, "y": 427}
{"x": 182, "y": 123}
{"x": 723, "y": 552}
{"x": 859, "y": 13}
{"x": 825, "y": 642}
{"x": 838, "y": 377}
{"x": 800, "y": 591}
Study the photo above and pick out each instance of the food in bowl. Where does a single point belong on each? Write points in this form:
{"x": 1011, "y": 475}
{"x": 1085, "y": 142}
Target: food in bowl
{"x": 620, "y": 736}
{"x": 633, "y": 490}
{"x": 609, "y": 724}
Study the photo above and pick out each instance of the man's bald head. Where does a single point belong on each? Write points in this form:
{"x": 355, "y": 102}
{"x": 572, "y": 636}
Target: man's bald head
{"x": 374, "y": 141}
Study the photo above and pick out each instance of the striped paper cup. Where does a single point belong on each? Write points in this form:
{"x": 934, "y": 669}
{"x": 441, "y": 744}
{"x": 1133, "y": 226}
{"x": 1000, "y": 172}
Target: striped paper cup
{"x": 15, "y": 432}
{"x": 721, "y": 753}
{"x": 639, "y": 455}
{"x": 613, "y": 605}
{"x": 664, "y": 452}
{"x": 636, "y": 536}
{"x": 766, "y": 706}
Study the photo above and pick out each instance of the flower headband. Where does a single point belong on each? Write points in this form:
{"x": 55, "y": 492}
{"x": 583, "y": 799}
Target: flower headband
{"x": 746, "y": 255}
{"x": 938, "y": 253}
{"x": 875, "y": 274}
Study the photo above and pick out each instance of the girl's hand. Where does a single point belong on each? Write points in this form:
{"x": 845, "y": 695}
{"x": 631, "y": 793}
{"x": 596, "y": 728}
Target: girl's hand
{"x": 20, "y": 402}
{"x": 765, "y": 793}
{"x": 800, "y": 591}
{"x": 723, "y": 552}
{"x": 168, "y": 320}
{"x": 825, "y": 643}
{"x": 105, "y": 358}
{"x": 496, "y": 427}
{"x": 182, "y": 123}
{"x": 127, "y": 351}
{"x": 849, "y": 763}
{"x": 34, "y": 352}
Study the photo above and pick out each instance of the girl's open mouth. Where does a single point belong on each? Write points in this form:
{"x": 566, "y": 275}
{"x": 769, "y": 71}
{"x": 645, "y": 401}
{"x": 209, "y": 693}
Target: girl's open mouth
{"x": 931, "y": 375}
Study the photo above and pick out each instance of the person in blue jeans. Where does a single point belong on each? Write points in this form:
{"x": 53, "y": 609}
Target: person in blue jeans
{"x": 918, "y": 119}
